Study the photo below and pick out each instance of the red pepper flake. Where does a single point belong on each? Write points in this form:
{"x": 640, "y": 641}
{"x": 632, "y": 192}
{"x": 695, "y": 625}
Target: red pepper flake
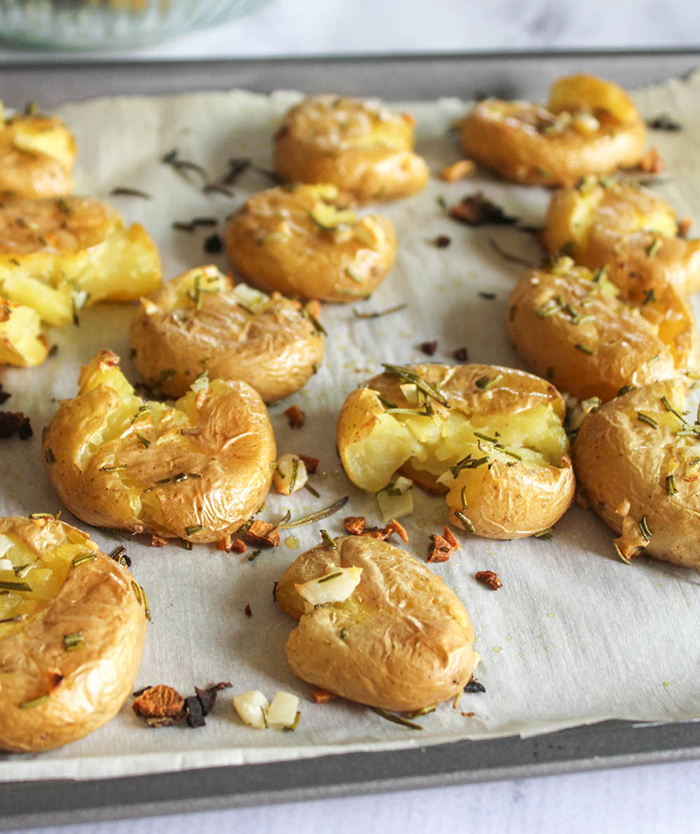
{"x": 355, "y": 524}
{"x": 14, "y": 422}
{"x": 158, "y": 541}
{"x": 461, "y": 354}
{"x": 477, "y": 210}
{"x": 440, "y": 550}
{"x": 449, "y": 537}
{"x": 225, "y": 543}
{"x": 262, "y": 534}
{"x": 238, "y": 546}
{"x": 322, "y": 696}
{"x": 399, "y": 529}
{"x": 247, "y": 610}
{"x": 652, "y": 162}
{"x": 160, "y": 706}
{"x": 488, "y": 578}
{"x": 296, "y": 417}
{"x": 310, "y": 463}
{"x": 429, "y": 348}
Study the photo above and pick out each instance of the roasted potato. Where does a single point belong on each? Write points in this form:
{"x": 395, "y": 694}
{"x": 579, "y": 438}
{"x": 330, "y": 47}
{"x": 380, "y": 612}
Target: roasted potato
{"x": 360, "y": 146}
{"x": 637, "y": 462}
{"x": 60, "y": 255}
{"x": 200, "y": 322}
{"x": 492, "y": 438}
{"x": 36, "y": 157}
{"x": 197, "y": 470}
{"x": 21, "y": 341}
{"x": 570, "y": 325}
{"x": 590, "y": 126}
{"x": 386, "y": 631}
{"x": 635, "y": 234}
{"x": 72, "y": 627}
{"x": 297, "y": 240}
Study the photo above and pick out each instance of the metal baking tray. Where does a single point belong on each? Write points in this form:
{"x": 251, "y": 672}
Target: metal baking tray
{"x": 609, "y": 744}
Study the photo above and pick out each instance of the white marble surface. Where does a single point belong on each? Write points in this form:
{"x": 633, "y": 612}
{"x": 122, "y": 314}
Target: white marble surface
{"x": 659, "y": 798}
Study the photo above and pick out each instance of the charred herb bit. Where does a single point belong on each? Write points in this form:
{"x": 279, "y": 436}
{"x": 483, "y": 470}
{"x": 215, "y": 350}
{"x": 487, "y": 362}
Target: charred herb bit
{"x": 584, "y": 349}
{"x": 182, "y": 166}
{"x": 14, "y": 422}
{"x": 651, "y": 250}
{"x": 644, "y": 529}
{"x": 18, "y": 619}
{"x": 649, "y": 297}
{"x": 671, "y": 486}
{"x": 474, "y": 686}
{"x": 664, "y": 122}
{"x": 84, "y": 557}
{"x": 119, "y": 556}
{"x": 213, "y": 244}
{"x": 428, "y": 348}
{"x": 324, "y": 513}
{"x": 488, "y": 296}
{"x": 296, "y": 416}
{"x": 248, "y": 611}
{"x": 488, "y": 578}
{"x": 223, "y": 183}
{"x": 328, "y": 541}
{"x": 396, "y": 719}
{"x": 485, "y": 382}
{"x": 410, "y": 376}
{"x": 645, "y": 418}
{"x": 441, "y": 241}
{"x": 73, "y": 641}
{"x": 343, "y": 633}
{"x": 379, "y": 313}
{"x": 254, "y": 555}
{"x": 461, "y": 354}
{"x": 625, "y": 390}
{"x": 122, "y": 191}
{"x": 477, "y": 210}
{"x": 9, "y": 585}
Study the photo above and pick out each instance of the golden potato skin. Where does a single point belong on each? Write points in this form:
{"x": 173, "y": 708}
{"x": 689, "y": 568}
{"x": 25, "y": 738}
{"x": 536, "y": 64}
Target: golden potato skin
{"x": 632, "y": 232}
{"x": 96, "y": 599}
{"x": 622, "y": 465}
{"x": 36, "y": 157}
{"x": 176, "y": 337}
{"x": 274, "y": 242}
{"x": 361, "y": 147}
{"x": 221, "y": 438}
{"x": 557, "y": 145}
{"x": 508, "y": 498}
{"x": 409, "y": 641}
{"x": 568, "y": 324}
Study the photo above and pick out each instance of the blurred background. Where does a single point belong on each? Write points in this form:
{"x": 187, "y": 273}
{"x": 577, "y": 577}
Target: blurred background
{"x": 251, "y": 28}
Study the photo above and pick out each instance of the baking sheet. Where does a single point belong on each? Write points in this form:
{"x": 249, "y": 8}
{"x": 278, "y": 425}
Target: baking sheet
{"x": 573, "y": 636}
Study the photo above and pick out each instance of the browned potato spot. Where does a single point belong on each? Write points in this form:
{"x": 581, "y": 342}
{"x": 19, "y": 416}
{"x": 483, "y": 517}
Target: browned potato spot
{"x": 570, "y": 326}
{"x": 197, "y": 470}
{"x": 72, "y": 627}
{"x": 590, "y": 126}
{"x": 635, "y": 234}
{"x": 637, "y": 462}
{"x": 491, "y": 438}
{"x": 401, "y": 640}
{"x": 360, "y": 146}
{"x": 200, "y": 322}
{"x": 298, "y": 240}
{"x": 60, "y": 255}
{"x": 21, "y": 341}
{"x": 36, "y": 157}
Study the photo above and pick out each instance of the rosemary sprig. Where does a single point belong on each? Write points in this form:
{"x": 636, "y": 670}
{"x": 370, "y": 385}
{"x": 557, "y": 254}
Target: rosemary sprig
{"x": 378, "y": 314}
{"x": 410, "y": 376}
{"x": 324, "y": 513}
{"x": 396, "y": 719}
{"x": 645, "y": 418}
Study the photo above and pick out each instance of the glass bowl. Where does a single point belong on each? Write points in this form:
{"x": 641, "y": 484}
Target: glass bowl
{"x": 109, "y": 24}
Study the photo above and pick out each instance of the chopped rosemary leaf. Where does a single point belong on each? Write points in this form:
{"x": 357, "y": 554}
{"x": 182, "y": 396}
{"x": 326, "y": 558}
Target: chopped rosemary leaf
{"x": 545, "y": 534}
{"x": 327, "y": 540}
{"x": 144, "y": 440}
{"x": 309, "y": 488}
{"x": 621, "y": 554}
{"x": 667, "y": 405}
{"x": 645, "y": 418}
{"x": 671, "y": 487}
{"x": 584, "y": 349}
{"x": 485, "y": 437}
{"x": 649, "y": 297}
{"x": 330, "y": 575}
{"x": 112, "y": 468}
{"x": 35, "y": 702}
{"x": 410, "y": 376}
{"x": 85, "y": 557}
{"x": 15, "y": 586}
{"x": 653, "y": 248}
{"x": 312, "y": 318}
{"x": 380, "y": 313}
{"x": 396, "y": 719}
{"x": 17, "y": 619}
{"x": 73, "y": 641}
{"x": 196, "y": 528}
{"x": 254, "y": 555}
{"x": 308, "y": 519}
{"x": 129, "y": 192}
{"x": 468, "y": 526}
{"x": 644, "y": 528}
{"x": 292, "y": 727}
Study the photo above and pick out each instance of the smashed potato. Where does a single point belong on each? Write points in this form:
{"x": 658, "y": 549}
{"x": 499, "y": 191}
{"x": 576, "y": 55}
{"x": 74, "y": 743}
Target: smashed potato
{"x": 393, "y": 637}
{"x": 492, "y": 438}
{"x": 634, "y": 233}
{"x": 571, "y": 327}
{"x": 200, "y": 322}
{"x": 198, "y": 470}
{"x": 72, "y": 628}
{"x": 298, "y": 240}
{"x": 36, "y": 157}
{"x": 21, "y": 341}
{"x": 590, "y": 126}
{"x": 637, "y": 462}
{"x": 360, "y": 146}
{"x": 60, "y": 255}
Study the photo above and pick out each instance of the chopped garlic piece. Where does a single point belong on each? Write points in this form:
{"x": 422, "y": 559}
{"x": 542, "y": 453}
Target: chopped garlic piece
{"x": 201, "y": 383}
{"x": 410, "y": 392}
{"x": 252, "y": 707}
{"x": 290, "y": 474}
{"x": 251, "y": 299}
{"x": 6, "y": 544}
{"x": 283, "y": 710}
{"x": 396, "y": 500}
{"x": 6, "y": 564}
{"x": 336, "y": 586}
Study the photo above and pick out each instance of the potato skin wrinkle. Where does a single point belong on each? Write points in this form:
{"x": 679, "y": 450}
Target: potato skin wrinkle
{"x": 633, "y": 233}
{"x": 623, "y": 465}
{"x": 504, "y": 424}
{"x": 95, "y": 599}
{"x": 176, "y": 336}
{"x": 360, "y": 146}
{"x": 119, "y": 461}
{"x": 590, "y": 126}
{"x": 406, "y": 643}
{"x": 275, "y": 244}
{"x": 573, "y": 326}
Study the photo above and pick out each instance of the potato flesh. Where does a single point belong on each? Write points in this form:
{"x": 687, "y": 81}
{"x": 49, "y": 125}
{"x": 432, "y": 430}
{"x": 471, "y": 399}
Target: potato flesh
{"x": 576, "y": 92}
{"x": 432, "y": 445}
{"x": 45, "y": 574}
{"x": 54, "y": 141}
{"x": 21, "y": 341}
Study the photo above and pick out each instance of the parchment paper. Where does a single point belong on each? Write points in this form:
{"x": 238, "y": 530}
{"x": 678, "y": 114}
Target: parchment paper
{"x": 573, "y": 637}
